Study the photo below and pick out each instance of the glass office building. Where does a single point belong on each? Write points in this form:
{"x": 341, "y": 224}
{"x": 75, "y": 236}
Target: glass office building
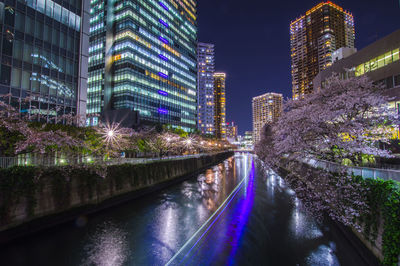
{"x": 44, "y": 56}
{"x": 142, "y": 57}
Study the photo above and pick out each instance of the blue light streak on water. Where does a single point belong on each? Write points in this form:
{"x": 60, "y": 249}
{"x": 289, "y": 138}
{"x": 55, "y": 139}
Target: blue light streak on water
{"x": 213, "y": 222}
{"x": 223, "y": 206}
{"x": 236, "y": 228}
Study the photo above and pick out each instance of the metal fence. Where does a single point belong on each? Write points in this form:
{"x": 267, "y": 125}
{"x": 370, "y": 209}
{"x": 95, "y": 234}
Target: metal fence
{"x": 27, "y": 160}
{"x": 365, "y": 172}
{"x": 6, "y": 162}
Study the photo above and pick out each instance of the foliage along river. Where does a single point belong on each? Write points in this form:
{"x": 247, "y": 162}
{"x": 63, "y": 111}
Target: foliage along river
{"x": 235, "y": 213}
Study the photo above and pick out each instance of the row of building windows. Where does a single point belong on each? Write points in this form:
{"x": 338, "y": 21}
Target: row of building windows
{"x": 47, "y": 34}
{"x": 129, "y": 44}
{"x": 44, "y": 58}
{"x": 133, "y": 15}
{"x": 390, "y": 82}
{"x": 126, "y": 75}
{"x": 377, "y": 62}
{"x": 57, "y": 12}
{"x": 151, "y": 109}
{"x": 52, "y": 99}
{"x": 148, "y": 93}
{"x": 184, "y": 25}
{"x": 150, "y": 65}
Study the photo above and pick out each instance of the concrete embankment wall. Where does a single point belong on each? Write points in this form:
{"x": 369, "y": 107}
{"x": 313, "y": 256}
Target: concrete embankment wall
{"x": 32, "y": 199}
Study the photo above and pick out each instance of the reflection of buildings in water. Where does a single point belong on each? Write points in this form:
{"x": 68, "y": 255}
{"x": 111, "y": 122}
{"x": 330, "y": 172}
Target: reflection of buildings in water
{"x": 209, "y": 200}
{"x": 210, "y": 178}
{"x": 213, "y": 183}
{"x": 209, "y": 184}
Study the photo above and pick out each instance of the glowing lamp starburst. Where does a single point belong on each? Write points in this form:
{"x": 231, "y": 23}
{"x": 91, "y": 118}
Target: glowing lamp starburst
{"x": 111, "y": 133}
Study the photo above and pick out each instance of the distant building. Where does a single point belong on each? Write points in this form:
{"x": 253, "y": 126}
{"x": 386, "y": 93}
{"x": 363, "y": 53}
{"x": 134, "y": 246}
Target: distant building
{"x": 266, "y": 109}
{"x": 379, "y": 61}
{"x": 220, "y": 105}
{"x": 44, "y": 56}
{"x": 248, "y": 140}
{"x": 342, "y": 53}
{"x": 205, "y": 88}
{"x": 313, "y": 38}
{"x": 142, "y": 57}
{"x": 239, "y": 142}
{"x": 231, "y": 131}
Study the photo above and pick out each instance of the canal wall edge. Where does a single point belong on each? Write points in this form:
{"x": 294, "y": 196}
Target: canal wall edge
{"x": 371, "y": 254}
{"x": 55, "y": 198}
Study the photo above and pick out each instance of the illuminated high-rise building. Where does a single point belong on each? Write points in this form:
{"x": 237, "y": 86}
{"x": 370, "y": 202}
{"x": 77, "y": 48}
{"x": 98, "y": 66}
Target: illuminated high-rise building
{"x": 231, "y": 131}
{"x": 219, "y": 105}
{"x": 313, "y": 38}
{"x": 143, "y": 58}
{"x": 205, "y": 87}
{"x": 44, "y": 57}
{"x": 266, "y": 109}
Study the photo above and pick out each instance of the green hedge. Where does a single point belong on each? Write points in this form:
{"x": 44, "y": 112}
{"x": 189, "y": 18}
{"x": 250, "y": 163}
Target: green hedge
{"x": 383, "y": 198}
{"x": 15, "y": 183}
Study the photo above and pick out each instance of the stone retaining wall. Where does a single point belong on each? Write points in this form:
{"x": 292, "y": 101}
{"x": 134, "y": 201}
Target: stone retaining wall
{"x": 57, "y": 197}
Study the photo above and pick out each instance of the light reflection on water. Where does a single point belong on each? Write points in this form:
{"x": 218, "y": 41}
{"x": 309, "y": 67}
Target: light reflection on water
{"x": 107, "y": 247}
{"x": 324, "y": 255}
{"x": 302, "y": 226}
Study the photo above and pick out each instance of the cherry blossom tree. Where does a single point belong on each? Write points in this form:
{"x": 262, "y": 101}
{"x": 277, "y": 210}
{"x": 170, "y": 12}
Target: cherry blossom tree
{"x": 344, "y": 120}
{"x": 31, "y": 138}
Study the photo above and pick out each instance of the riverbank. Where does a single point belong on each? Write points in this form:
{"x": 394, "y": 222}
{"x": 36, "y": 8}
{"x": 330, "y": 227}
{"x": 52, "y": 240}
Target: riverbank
{"x": 369, "y": 256}
{"x": 377, "y": 227}
{"x": 35, "y": 198}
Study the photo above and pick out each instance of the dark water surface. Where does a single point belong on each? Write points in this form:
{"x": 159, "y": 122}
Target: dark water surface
{"x": 235, "y": 213}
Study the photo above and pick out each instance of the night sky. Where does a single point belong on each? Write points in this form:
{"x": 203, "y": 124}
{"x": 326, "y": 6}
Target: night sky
{"x": 252, "y": 42}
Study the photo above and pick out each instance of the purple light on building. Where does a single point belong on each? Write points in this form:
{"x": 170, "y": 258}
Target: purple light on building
{"x": 163, "y": 57}
{"x": 164, "y": 23}
{"x": 162, "y": 111}
{"x": 163, "y": 93}
{"x": 164, "y": 6}
{"x": 163, "y": 40}
{"x": 163, "y": 75}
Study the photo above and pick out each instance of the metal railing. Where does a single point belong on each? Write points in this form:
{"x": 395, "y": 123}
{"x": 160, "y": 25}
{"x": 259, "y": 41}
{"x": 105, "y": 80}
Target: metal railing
{"x": 6, "y": 162}
{"x": 149, "y": 160}
{"x": 29, "y": 160}
{"x": 365, "y": 172}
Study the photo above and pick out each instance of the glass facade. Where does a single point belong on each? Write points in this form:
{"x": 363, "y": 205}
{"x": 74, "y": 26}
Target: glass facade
{"x": 41, "y": 55}
{"x": 142, "y": 57}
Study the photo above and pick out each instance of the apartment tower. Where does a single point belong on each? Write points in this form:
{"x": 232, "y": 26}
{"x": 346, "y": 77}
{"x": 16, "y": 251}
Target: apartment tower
{"x": 266, "y": 109}
{"x": 313, "y": 38}
{"x": 205, "y": 88}
{"x": 231, "y": 131}
{"x": 143, "y": 58}
{"x": 219, "y": 105}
